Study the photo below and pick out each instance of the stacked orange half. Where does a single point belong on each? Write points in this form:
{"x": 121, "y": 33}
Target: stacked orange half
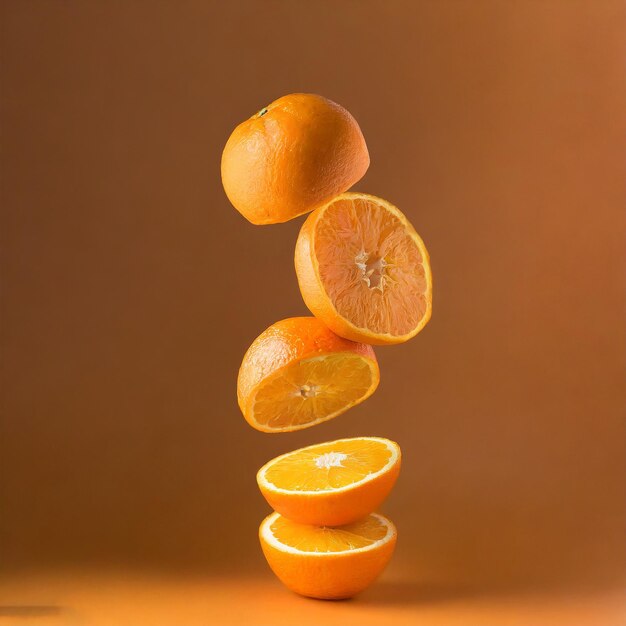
{"x": 333, "y": 483}
{"x": 324, "y": 539}
{"x": 327, "y": 563}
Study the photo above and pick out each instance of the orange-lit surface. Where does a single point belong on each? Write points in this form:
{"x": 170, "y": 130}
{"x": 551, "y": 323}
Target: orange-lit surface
{"x": 130, "y": 599}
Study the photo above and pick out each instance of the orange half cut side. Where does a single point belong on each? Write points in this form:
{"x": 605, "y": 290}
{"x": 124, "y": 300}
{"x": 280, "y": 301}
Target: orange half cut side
{"x": 364, "y": 271}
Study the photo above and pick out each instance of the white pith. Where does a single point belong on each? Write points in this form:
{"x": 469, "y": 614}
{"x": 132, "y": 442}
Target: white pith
{"x": 330, "y": 459}
{"x": 307, "y": 391}
{"x": 393, "y": 459}
{"x": 373, "y": 273}
{"x": 268, "y": 536}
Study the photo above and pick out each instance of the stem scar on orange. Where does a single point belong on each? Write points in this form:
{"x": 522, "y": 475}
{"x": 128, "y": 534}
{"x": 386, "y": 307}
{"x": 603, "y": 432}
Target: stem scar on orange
{"x": 298, "y": 373}
{"x": 364, "y": 271}
{"x": 293, "y": 155}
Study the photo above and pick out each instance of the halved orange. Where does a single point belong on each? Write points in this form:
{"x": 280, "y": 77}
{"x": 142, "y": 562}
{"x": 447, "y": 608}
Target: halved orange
{"x": 364, "y": 271}
{"x": 295, "y": 154}
{"x": 327, "y": 563}
{"x": 334, "y": 483}
{"x": 298, "y": 373}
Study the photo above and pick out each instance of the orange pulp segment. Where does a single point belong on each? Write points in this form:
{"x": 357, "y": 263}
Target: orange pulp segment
{"x": 364, "y": 271}
{"x": 361, "y": 534}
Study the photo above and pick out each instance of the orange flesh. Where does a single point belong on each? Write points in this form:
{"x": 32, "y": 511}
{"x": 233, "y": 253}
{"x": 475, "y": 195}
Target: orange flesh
{"x": 360, "y": 534}
{"x": 329, "y": 465}
{"x": 312, "y": 389}
{"x": 370, "y": 267}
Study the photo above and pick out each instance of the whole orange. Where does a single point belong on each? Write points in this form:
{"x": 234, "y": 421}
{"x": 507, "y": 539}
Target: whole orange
{"x": 292, "y": 156}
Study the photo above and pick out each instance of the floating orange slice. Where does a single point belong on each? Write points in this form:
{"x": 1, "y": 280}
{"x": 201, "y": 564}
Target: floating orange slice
{"x": 327, "y": 563}
{"x": 298, "y": 373}
{"x": 334, "y": 483}
{"x": 364, "y": 271}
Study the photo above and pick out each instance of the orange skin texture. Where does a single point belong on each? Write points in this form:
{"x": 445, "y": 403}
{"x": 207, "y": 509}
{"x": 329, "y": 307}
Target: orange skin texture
{"x": 332, "y": 508}
{"x": 328, "y": 576}
{"x": 316, "y": 298}
{"x": 292, "y": 156}
{"x": 284, "y": 343}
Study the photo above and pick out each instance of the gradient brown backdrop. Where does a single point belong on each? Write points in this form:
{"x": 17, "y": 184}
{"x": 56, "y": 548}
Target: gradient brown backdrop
{"x": 131, "y": 288}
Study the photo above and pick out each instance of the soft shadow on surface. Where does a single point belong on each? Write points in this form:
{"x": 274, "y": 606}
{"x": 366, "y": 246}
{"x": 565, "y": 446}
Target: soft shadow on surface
{"x": 413, "y": 593}
{"x": 30, "y": 610}
{"x": 422, "y": 593}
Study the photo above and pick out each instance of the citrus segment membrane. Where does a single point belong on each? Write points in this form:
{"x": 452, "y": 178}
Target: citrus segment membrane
{"x": 371, "y": 266}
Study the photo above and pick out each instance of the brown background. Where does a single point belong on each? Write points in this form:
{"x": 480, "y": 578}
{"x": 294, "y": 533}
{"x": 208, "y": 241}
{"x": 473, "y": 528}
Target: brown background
{"x": 131, "y": 288}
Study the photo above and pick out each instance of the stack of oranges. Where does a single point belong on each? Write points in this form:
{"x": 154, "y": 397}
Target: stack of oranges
{"x": 364, "y": 273}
